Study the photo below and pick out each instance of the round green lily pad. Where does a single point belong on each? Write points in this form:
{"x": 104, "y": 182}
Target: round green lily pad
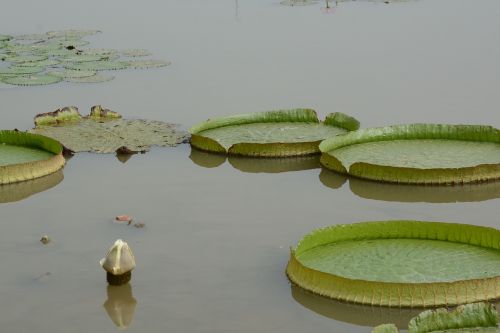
{"x": 99, "y": 52}
{"x": 5, "y": 38}
{"x": 98, "y": 78}
{"x": 32, "y": 80}
{"x": 25, "y": 156}
{"x": 72, "y": 33}
{"x": 400, "y": 263}
{"x": 31, "y": 37}
{"x": 70, "y": 73}
{"x": 81, "y": 58}
{"x": 418, "y": 153}
{"x": 144, "y": 64}
{"x": 269, "y": 134}
{"x": 96, "y": 65}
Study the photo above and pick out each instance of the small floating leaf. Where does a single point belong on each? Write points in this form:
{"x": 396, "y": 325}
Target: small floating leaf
{"x": 72, "y": 33}
{"x": 20, "y": 70}
{"x": 70, "y": 73}
{"x": 32, "y": 80}
{"x": 96, "y": 65}
{"x": 143, "y": 64}
{"x": 42, "y": 63}
{"x": 98, "y": 78}
{"x": 136, "y": 53}
{"x": 26, "y": 58}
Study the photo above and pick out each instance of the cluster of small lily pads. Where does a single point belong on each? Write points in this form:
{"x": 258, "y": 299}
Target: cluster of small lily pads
{"x": 54, "y": 56}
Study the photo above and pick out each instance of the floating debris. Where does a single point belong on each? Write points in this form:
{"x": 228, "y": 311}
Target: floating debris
{"x": 118, "y": 263}
{"x": 45, "y": 240}
{"x": 124, "y": 218}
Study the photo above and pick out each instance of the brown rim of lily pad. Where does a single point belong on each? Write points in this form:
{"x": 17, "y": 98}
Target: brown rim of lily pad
{"x": 37, "y": 156}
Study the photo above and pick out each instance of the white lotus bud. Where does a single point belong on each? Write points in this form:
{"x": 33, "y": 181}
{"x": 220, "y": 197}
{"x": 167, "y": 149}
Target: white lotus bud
{"x": 119, "y": 260}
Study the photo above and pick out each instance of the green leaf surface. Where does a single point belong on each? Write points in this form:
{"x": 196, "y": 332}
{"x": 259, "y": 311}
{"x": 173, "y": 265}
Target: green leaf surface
{"x": 135, "y": 53}
{"x": 108, "y": 136}
{"x": 10, "y": 154}
{"x": 144, "y": 64}
{"x": 468, "y": 316}
{"x": 21, "y": 70}
{"x": 298, "y": 2}
{"x": 41, "y": 63}
{"x": 400, "y": 263}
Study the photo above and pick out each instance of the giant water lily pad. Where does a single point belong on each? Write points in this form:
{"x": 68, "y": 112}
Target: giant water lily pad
{"x": 270, "y": 134}
{"x": 103, "y": 131}
{"x": 418, "y": 153}
{"x": 32, "y": 80}
{"x": 400, "y": 263}
{"x": 25, "y": 156}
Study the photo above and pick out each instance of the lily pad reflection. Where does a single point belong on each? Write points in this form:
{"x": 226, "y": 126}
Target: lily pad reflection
{"x": 413, "y": 193}
{"x": 354, "y": 313}
{"x": 22, "y": 190}
{"x": 255, "y": 165}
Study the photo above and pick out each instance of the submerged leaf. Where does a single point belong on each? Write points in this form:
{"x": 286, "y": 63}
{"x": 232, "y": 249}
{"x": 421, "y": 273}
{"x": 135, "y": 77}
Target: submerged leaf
{"x": 96, "y": 134}
{"x": 399, "y": 263}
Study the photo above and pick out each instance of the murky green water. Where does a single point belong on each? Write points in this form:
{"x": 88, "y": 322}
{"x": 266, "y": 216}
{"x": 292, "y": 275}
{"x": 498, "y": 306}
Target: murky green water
{"x": 217, "y": 233}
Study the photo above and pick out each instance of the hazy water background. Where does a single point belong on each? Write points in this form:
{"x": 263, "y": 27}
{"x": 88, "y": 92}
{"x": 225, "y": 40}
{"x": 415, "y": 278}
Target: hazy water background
{"x": 212, "y": 254}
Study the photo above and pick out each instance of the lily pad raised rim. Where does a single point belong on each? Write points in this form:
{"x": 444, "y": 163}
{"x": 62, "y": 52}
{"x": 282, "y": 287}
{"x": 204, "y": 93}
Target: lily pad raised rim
{"x": 377, "y": 293}
{"x": 274, "y": 149}
{"x": 478, "y": 173}
{"x": 18, "y": 172}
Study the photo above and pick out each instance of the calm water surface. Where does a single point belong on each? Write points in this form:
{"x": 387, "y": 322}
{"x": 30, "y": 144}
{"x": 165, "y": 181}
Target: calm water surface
{"x": 217, "y": 233}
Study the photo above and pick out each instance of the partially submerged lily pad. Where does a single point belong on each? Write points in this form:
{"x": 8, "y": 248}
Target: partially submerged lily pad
{"x": 32, "y": 80}
{"x": 268, "y": 134}
{"x": 400, "y": 263}
{"x": 418, "y": 153}
{"x": 105, "y": 132}
{"x": 136, "y": 53}
{"x": 25, "y": 156}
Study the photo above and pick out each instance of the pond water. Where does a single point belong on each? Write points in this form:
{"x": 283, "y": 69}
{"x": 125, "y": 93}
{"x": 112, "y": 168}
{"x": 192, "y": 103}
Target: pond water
{"x": 212, "y": 253}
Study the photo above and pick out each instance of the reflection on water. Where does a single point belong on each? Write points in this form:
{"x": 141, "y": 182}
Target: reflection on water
{"x": 120, "y": 305}
{"x": 123, "y": 157}
{"x": 21, "y": 190}
{"x": 354, "y": 313}
{"x": 205, "y": 159}
{"x": 414, "y": 193}
{"x": 255, "y": 165}
{"x": 332, "y": 179}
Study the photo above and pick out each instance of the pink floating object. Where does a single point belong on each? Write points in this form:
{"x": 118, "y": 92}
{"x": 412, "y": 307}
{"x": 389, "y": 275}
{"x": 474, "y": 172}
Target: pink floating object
{"x": 123, "y": 218}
